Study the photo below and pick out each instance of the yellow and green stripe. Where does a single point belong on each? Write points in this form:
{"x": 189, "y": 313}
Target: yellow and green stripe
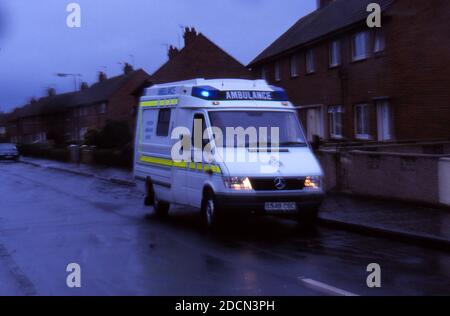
{"x": 181, "y": 165}
{"x": 159, "y": 103}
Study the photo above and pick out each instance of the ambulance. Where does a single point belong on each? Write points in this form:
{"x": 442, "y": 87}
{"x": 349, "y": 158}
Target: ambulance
{"x": 226, "y": 147}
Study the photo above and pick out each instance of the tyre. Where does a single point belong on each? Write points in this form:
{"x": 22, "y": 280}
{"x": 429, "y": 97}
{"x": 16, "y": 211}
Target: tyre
{"x": 161, "y": 208}
{"x": 150, "y": 193}
{"x": 210, "y": 211}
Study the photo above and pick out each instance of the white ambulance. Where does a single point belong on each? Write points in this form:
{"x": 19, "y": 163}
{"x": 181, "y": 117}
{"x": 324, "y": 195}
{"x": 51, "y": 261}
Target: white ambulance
{"x": 226, "y": 146}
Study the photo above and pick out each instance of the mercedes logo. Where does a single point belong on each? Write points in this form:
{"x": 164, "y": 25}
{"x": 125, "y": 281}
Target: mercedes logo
{"x": 280, "y": 183}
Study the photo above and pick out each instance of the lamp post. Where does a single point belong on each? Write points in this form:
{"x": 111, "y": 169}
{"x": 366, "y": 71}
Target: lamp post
{"x": 74, "y": 76}
{"x": 77, "y": 123}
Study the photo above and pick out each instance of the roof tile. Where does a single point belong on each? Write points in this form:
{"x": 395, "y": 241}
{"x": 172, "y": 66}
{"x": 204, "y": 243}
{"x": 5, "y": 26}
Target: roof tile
{"x": 335, "y": 16}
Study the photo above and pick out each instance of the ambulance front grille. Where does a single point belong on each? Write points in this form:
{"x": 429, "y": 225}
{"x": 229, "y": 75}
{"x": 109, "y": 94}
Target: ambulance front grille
{"x": 270, "y": 184}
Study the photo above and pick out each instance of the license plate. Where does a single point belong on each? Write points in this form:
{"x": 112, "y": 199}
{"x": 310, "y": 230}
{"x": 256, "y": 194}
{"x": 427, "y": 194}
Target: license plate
{"x": 281, "y": 207}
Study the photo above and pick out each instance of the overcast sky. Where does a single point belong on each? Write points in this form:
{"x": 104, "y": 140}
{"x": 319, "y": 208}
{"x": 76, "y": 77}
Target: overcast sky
{"x": 35, "y": 42}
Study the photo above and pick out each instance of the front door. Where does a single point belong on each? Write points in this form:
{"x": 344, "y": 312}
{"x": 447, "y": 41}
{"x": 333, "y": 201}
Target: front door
{"x": 197, "y": 177}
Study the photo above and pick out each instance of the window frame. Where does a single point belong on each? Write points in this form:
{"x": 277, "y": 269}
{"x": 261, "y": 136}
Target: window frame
{"x": 335, "y": 112}
{"x": 294, "y": 66}
{"x": 197, "y": 116}
{"x": 277, "y": 71}
{"x": 264, "y": 73}
{"x": 338, "y": 53}
{"x": 378, "y": 37}
{"x": 82, "y": 131}
{"x": 159, "y": 125}
{"x": 103, "y": 108}
{"x": 310, "y": 57}
{"x": 379, "y": 104}
{"x": 365, "y": 120}
{"x": 366, "y": 46}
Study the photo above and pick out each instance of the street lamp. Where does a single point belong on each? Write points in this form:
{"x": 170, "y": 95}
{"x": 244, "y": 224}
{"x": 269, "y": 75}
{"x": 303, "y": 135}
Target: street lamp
{"x": 74, "y": 76}
{"x": 77, "y": 123}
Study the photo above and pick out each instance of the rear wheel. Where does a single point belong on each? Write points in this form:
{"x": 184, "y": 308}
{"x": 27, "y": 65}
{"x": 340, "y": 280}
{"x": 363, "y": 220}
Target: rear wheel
{"x": 161, "y": 208}
{"x": 150, "y": 193}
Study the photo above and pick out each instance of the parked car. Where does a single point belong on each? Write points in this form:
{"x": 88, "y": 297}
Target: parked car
{"x": 9, "y": 152}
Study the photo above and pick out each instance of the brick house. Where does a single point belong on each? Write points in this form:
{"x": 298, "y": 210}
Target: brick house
{"x": 199, "y": 58}
{"x": 65, "y": 118}
{"x": 3, "y": 124}
{"x": 354, "y": 83}
{"x": 113, "y": 99}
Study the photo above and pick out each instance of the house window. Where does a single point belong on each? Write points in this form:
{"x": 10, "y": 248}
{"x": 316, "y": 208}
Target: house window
{"x": 360, "y": 46}
{"x": 82, "y": 132}
{"x": 335, "y": 54}
{"x": 2, "y": 130}
{"x": 310, "y": 61}
{"x": 294, "y": 66}
{"x": 277, "y": 71}
{"x": 362, "y": 121}
{"x": 82, "y": 111}
{"x": 162, "y": 129}
{"x": 384, "y": 120}
{"x": 264, "y": 73}
{"x": 336, "y": 115}
{"x": 379, "y": 42}
{"x": 102, "y": 108}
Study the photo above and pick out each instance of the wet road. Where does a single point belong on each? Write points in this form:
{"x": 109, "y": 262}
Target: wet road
{"x": 49, "y": 219}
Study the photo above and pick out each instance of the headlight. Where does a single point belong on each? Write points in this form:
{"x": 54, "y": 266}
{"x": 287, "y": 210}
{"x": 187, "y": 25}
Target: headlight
{"x": 312, "y": 183}
{"x": 238, "y": 183}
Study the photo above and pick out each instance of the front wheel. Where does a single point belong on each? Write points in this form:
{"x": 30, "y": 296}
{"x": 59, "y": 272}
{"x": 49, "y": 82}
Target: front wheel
{"x": 210, "y": 210}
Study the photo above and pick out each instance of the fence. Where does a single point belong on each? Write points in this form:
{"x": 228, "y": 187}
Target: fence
{"x": 122, "y": 158}
{"x": 413, "y": 177}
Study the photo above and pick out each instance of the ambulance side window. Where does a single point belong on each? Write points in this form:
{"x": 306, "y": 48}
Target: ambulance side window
{"x": 162, "y": 130}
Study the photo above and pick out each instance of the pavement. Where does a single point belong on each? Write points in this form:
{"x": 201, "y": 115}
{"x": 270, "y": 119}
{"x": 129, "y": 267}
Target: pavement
{"x": 393, "y": 219}
{"x": 50, "y": 219}
{"x": 116, "y": 175}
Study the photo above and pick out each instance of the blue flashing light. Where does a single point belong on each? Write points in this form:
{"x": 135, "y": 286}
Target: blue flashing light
{"x": 205, "y": 94}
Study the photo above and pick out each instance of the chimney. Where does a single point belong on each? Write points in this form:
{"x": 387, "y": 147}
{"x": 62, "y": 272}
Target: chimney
{"x": 51, "y": 92}
{"x": 190, "y": 35}
{"x": 102, "y": 76}
{"x": 323, "y": 3}
{"x": 84, "y": 86}
{"x": 127, "y": 69}
{"x": 173, "y": 51}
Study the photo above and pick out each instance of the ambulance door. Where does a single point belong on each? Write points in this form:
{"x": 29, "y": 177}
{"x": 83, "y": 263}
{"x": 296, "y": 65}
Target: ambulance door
{"x": 179, "y": 170}
{"x": 153, "y": 150}
{"x": 197, "y": 176}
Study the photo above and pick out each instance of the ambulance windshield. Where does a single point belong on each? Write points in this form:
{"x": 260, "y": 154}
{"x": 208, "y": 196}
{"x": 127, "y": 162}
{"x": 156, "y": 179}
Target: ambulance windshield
{"x": 257, "y": 129}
